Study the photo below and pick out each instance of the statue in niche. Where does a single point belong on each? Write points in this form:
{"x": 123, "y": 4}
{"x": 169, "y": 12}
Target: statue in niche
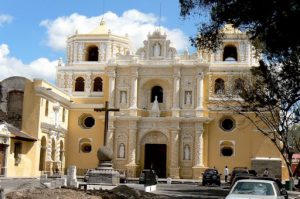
{"x": 155, "y": 112}
{"x": 156, "y": 52}
{"x": 188, "y": 97}
{"x": 121, "y": 151}
{"x": 170, "y": 54}
{"x": 123, "y": 98}
{"x": 143, "y": 55}
{"x": 186, "y": 152}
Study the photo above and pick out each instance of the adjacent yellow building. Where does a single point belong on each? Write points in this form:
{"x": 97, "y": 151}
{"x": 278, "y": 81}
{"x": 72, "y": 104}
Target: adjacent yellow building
{"x": 171, "y": 115}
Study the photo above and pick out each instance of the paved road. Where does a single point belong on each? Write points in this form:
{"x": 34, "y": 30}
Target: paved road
{"x": 189, "y": 191}
{"x": 176, "y": 191}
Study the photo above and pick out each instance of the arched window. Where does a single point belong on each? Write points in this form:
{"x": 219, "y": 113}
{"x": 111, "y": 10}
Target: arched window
{"x": 97, "y": 84}
{"x": 85, "y": 145}
{"x": 157, "y": 91}
{"x": 227, "y": 148}
{"x": 219, "y": 86}
{"x": 79, "y": 84}
{"x": 230, "y": 53}
{"x": 238, "y": 85}
{"x": 92, "y": 53}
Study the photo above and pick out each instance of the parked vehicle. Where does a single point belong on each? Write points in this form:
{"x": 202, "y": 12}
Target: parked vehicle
{"x": 211, "y": 176}
{"x": 256, "y": 188}
{"x": 238, "y": 171}
{"x": 276, "y": 180}
{"x": 148, "y": 176}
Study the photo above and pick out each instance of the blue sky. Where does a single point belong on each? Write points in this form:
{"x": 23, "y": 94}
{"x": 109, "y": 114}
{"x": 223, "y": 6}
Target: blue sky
{"x": 33, "y": 32}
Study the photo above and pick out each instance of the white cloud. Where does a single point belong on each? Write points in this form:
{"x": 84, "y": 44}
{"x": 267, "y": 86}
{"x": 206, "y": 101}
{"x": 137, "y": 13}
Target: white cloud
{"x": 11, "y": 66}
{"x": 5, "y": 19}
{"x": 133, "y": 22}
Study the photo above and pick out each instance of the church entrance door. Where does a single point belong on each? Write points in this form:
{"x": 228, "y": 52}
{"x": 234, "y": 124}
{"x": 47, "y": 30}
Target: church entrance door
{"x": 156, "y": 158}
{"x": 2, "y": 159}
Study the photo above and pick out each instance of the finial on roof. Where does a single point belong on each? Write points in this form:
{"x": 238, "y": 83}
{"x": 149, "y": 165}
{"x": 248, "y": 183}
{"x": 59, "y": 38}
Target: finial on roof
{"x": 102, "y": 22}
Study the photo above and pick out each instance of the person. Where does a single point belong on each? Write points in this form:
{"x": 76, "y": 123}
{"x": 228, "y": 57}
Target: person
{"x": 266, "y": 172}
{"x": 226, "y": 173}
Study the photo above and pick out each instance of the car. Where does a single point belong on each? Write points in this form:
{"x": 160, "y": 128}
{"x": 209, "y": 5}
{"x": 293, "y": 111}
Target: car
{"x": 241, "y": 176}
{"x": 148, "y": 176}
{"x": 256, "y": 189}
{"x": 211, "y": 176}
{"x": 238, "y": 171}
{"x": 276, "y": 180}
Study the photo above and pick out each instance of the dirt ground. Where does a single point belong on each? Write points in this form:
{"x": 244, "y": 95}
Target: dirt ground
{"x": 120, "y": 192}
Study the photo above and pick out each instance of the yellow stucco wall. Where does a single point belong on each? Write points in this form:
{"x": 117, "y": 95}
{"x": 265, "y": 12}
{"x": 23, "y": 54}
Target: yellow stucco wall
{"x": 74, "y": 155}
{"x": 249, "y": 143}
{"x": 33, "y": 116}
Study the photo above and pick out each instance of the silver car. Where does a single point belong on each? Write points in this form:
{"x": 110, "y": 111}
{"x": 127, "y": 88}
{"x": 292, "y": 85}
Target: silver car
{"x": 255, "y": 188}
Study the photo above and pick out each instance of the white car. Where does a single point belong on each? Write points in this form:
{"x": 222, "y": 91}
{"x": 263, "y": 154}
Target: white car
{"x": 255, "y": 188}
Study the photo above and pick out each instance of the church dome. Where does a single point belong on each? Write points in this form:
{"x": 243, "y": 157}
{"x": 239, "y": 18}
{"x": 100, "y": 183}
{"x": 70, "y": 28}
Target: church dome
{"x": 101, "y": 29}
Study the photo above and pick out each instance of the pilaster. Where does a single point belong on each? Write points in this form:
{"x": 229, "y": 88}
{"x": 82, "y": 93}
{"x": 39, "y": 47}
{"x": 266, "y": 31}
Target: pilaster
{"x": 134, "y": 89}
{"x": 200, "y": 94}
{"x": 198, "y": 151}
{"x": 174, "y": 168}
{"x": 112, "y": 82}
{"x": 132, "y": 166}
{"x": 176, "y": 92}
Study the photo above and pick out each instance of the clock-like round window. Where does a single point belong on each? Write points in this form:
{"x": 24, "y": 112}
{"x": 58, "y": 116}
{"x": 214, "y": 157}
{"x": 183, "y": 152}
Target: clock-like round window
{"x": 86, "y": 121}
{"x": 227, "y": 124}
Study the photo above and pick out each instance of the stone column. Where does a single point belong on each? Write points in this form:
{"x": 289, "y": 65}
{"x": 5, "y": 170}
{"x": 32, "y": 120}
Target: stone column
{"x": 132, "y": 166}
{"x": 88, "y": 83}
{"x": 69, "y": 86}
{"x": 108, "y": 51}
{"x": 174, "y": 168}
{"x": 134, "y": 91}
{"x": 112, "y": 82}
{"x": 198, "y": 151}
{"x": 75, "y": 51}
{"x": 81, "y": 52}
{"x": 5, "y": 159}
{"x": 200, "y": 91}
{"x": 176, "y": 92}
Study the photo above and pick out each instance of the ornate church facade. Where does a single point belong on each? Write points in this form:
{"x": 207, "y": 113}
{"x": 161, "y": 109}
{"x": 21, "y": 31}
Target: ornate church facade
{"x": 171, "y": 117}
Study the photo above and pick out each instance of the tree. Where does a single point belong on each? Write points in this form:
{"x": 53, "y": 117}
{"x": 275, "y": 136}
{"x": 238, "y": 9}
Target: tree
{"x": 270, "y": 108}
{"x": 273, "y": 98}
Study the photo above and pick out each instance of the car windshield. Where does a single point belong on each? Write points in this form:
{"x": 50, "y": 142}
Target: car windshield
{"x": 210, "y": 171}
{"x": 253, "y": 188}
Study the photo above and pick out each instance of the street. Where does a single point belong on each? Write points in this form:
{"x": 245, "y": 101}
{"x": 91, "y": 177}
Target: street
{"x": 178, "y": 191}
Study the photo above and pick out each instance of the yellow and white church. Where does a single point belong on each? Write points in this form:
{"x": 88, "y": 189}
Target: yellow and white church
{"x": 170, "y": 118}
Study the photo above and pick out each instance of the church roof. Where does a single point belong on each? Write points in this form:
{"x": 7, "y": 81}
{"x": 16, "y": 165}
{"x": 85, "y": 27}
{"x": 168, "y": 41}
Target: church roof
{"x": 101, "y": 29}
{"x": 17, "y": 133}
